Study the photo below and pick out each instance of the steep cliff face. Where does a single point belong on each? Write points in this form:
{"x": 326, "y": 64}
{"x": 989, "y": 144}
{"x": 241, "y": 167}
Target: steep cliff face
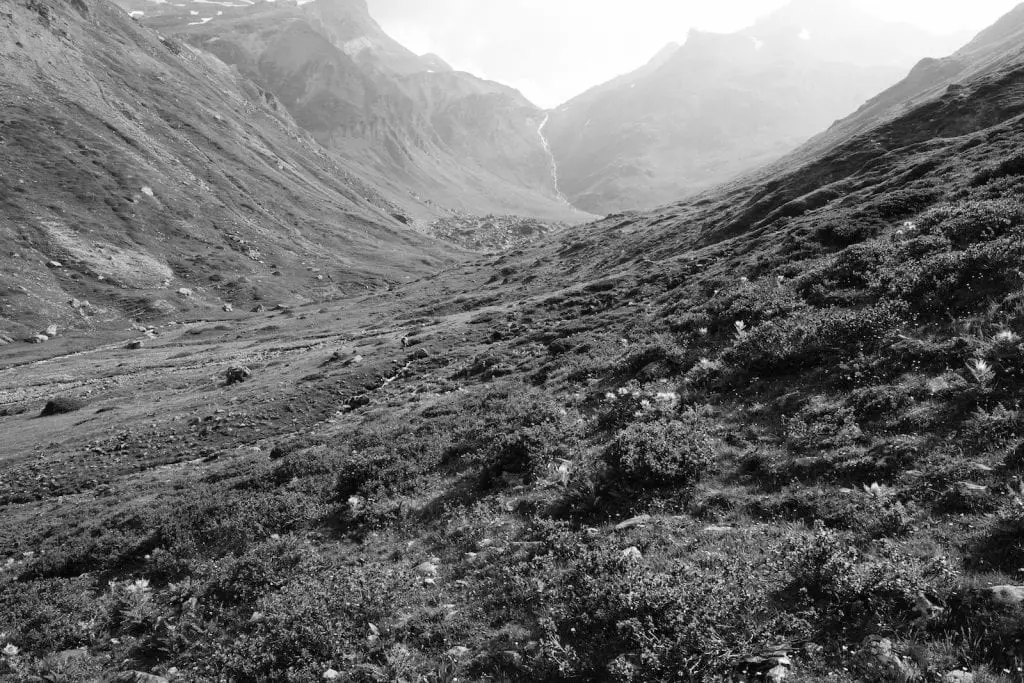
{"x": 429, "y": 134}
{"x": 721, "y": 104}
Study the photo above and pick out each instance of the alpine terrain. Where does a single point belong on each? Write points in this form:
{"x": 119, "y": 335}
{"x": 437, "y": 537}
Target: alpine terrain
{"x": 768, "y": 432}
{"x": 700, "y": 113}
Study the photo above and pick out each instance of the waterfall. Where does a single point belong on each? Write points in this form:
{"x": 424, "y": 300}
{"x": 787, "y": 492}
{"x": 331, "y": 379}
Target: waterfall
{"x": 553, "y": 164}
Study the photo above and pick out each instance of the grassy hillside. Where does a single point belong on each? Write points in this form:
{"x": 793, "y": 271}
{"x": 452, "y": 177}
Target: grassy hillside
{"x": 135, "y": 167}
{"x": 774, "y": 431}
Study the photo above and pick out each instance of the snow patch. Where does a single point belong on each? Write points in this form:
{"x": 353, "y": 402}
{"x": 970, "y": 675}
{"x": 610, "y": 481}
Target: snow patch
{"x": 193, "y": 12}
{"x": 805, "y": 35}
{"x": 200, "y": 22}
{"x": 136, "y": 13}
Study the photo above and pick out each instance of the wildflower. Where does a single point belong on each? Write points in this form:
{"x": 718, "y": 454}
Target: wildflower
{"x": 1007, "y": 337}
{"x": 981, "y": 370}
{"x": 11, "y": 650}
{"x": 355, "y": 504}
{"x": 910, "y": 226}
{"x": 138, "y": 586}
{"x": 876, "y": 491}
{"x": 666, "y": 396}
{"x": 609, "y": 396}
{"x": 703, "y": 331}
{"x": 740, "y": 326}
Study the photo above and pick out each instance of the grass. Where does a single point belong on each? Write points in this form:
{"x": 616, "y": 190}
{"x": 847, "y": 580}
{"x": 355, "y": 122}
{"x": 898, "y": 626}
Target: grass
{"x": 814, "y": 427}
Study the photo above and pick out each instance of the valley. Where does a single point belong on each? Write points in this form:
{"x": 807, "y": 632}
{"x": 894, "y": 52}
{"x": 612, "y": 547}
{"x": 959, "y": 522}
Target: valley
{"x": 767, "y": 432}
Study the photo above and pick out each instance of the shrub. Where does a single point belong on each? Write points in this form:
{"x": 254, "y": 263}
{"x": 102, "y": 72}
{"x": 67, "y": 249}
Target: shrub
{"x": 973, "y": 220}
{"x": 663, "y": 453}
{"x": 852, "y": 588}
{"x": 61, "y": 405}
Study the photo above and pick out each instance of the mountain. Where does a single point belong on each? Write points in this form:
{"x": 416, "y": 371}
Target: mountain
{"x": 770, "y": 432}
{"x": 143, "y": 167}
{"x": 699, "y": 114}
{"x": 410, "y": 124}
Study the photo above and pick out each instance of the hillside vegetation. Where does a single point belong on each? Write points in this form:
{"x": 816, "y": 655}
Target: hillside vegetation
{"x": 774, "y": 432}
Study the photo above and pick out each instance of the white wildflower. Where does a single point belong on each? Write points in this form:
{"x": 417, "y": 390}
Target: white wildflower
{"x": 11, "y": 650}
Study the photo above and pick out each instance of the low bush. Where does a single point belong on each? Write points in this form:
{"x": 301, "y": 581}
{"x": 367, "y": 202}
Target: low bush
{"x": 663, "y": 453}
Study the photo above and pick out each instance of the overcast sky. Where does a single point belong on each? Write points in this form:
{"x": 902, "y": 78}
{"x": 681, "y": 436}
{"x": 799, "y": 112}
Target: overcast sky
{"x": 552, "y": 50}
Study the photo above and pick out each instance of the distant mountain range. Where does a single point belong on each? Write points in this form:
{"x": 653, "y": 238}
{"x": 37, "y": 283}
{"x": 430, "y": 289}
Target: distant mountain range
{"x": 700, "y": 113}
{"x": 412, "y": 125}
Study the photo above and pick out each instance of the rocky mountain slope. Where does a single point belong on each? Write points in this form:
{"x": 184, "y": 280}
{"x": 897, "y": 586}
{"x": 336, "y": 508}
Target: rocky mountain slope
{"x": 411, "y": 124}
{"x": 769, "y": 433}
{"x": 702, "y": 112}
{"x": 142, "y": 177}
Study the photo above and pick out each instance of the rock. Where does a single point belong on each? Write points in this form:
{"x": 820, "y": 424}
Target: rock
{"x": 65, "y": 656}
{"x": 133, "y": 677}
{"x": 133, "y": 345}
{"x": 770, "y": 664}
{"x": 876, "y": 660}
{"x": 259, "y": 308}
{"x": 55, "y": 264}
{"x": 236, "y": 374}
{"x": 4, "y": 339}
{"x": 1007, "y": 596}
{"x": 38, "y": 339}
{"x": 185, "y": 292}
{"x": 632, "y": 554}
{"x": 639, "y": 520}
{"x": 50, "y": 331}
{"x": 228, "y": 308}
{"x": 419, "y": 354}
{"x": 458, "y": 652}
{"x": 958, "y": 676}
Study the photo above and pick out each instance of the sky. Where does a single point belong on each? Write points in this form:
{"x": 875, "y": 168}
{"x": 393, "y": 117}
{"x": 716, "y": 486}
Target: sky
{"x": 552, "y": 50}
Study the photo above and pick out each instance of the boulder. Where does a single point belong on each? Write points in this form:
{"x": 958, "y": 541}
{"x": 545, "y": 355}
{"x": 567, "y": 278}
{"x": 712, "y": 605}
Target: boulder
{"x": 639, "y": 520}
{"x": 133, "y": 677}
{"x": 1007, "y": 596}
{"x": 228, "y": 308}
{"x": 185, "y": 292}
{"x": 50, "y": 331}
{"x": 38, "y": 339}
{"x": 55, "y": 264}
{"x": 133, "y": 345}
{"x": 236, "y": 374}
{"x": 958, "y": 676}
